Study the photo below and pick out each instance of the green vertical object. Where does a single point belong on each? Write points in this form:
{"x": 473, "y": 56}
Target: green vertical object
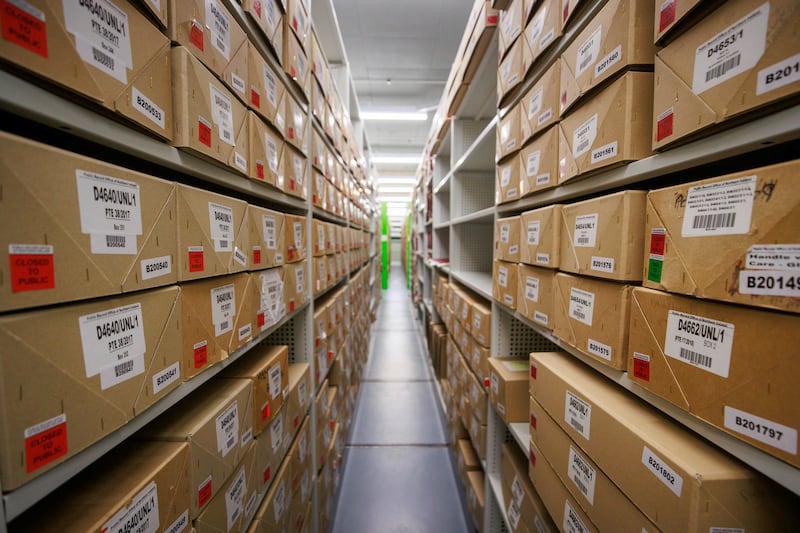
{"x": 385, "y": 243}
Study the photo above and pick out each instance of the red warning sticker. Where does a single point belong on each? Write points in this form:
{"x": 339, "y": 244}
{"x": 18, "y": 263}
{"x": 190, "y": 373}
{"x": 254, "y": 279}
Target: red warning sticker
{"x": 260, "y": 170}
{"x": 204, "y": 493}
{"x": 256, "y": 256}
{"x": 204, "y": 132}
{"x": 260, "y": 319}
{"x": 533, "y": 421}
{"x": 267, "y": 474}
{"x": 32, "y": 267}
{"x": 196, "y": 259}
{"x": 257, "y": 7}
{"x": 25, "y": 26}
{"x": 533, "y": 371}
{"x": 255, "y": 98}
{"x": 265, "y": 412}
{"x": 200, "y": 354}
{"x": 532, "y": 457}
{"x": 666, "y": 16}
{"x": 45, "y": 442}
{"x": 658, "y": 239}
{"x": 196, "y": 35}
{"x": 665, "y": 124}
{"x": 641, "y": 366}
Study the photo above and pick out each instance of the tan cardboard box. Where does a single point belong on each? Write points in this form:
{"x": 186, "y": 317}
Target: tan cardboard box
{"x": 481, "y": 323}
{"x": 540, "y": 105}
{"x": 541, "y": 236}
{"x": 93, "y": 368}
{"x": 674, "y": 16}
{"x": 266, "y": 238}
{"x": 210, "y": 33}
{"x": 507, "y": 184}
{"x": 217, "y": 422}
{"x": 538, "y": 163}
{"x": 617, "y": 39}
{"x": 146, "y": 482}
{"x": 99, "y": 229}
{"x": 233, "y": 505}
{"x": 319, "y": 152}
{"x": 744, "y": 250}
{"x": 545, "y": 28}
{"x": 739, "y": 58}
{"x": 295, "y": 283}
{"x": 208, "y": 119}
{"x": 478, "y": 397}
{"x": 270, "y": 452}
{"x": 273, "y": 514}
{"x": 299, "y": 22}
{"x": 293, "y": 166}
{"x": 210, "y": 312}
{"x": 608, "y": 129}
{"x": 318, "y": 183}
{"x": 607, "y": 507}
{"x": 604, "y": 236}
{"x": 208, "y": 225}
{"x": 511, "y": 70}
{"x": 266, "y": 152}
{"x": 268, "y": 15}
{"x": 332, "y": 244}
{"x": 523, "y": 506}
{"x": 300, "y": 454}
{"x": 479, "y": 361}
{"x": 592, "y": 315}
{"x": 466, "y": 459}
{"x": 122, "y": 65}
{"x": 508, "y": 138}
{"x": 561, "y": 505}
{"x": 536, "y": 299}
{"x": 504, "y": 286}
{"x": 318, "y": 237}
{"x": 671, "y": 471}
{"x": 266, "y": 94}
{"x": 294, "y": 228}
{"x": 716, "y": 360}
{"x": 507, "y": 239}
{"x": 475, "y": 496}
{"x": 509, "y": 27}
{"x": 267, "y": 368}
{"x": 319, "y": 274}
{"x": 319, "y": 64}
{"x": 509, "y": 388}
{"x": 296, "y": 124}
{"x": 267, "y": 290}
{"x": 156, "y": 10}
{"x": 295, "y": 61}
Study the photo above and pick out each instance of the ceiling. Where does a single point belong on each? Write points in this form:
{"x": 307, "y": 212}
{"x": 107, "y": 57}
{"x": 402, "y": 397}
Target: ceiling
{"x": 399, "y": 54}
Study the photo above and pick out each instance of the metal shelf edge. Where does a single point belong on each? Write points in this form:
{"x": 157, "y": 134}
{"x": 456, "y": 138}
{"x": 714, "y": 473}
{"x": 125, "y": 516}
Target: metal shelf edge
{"x": 484, "y": 215}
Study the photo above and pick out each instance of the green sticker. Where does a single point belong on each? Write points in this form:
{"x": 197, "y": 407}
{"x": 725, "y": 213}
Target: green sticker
{"x": 654, "y": 268}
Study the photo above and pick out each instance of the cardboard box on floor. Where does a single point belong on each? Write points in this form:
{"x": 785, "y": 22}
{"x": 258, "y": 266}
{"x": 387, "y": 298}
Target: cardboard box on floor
{"x": 523, "y": 505}
{"x": 671, "y": 470}
{"x": 716, "y": 361}
{"x": 266, "y": 94}
{"x": 509, "y": 388}
{"x": 739, "y": 58}
{"x": 268, "y": 15}
{"x": 146, "y": 483}
{"x": 265, "y": 238}
{"x": 112, "y": 231}
{"x": 541, "y": 236}
{"x": 273, "y": 514}
{"x": 123, "y": 66}
{"x": 209, "y": 120}
{"x": 504, "y": 283}
{"x": 93, "y": 368}
{"x": 604, "y": 237}
{"x": 536, "y": 296}
{"x": 742, "y": 250}
{"x": 506, "y": 239}
{"x": 592, "y": 315}
{"x": 217, "y": 423}
{"x": 538, "y": 163}
{"x": 540, "y": 105}
{"x": 609, "y": 128}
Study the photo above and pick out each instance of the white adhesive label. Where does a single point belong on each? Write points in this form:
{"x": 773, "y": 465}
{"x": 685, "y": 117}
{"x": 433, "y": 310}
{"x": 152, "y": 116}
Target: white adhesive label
{"x": 240, "y": 161}
{"x": 112, "y": 337}
{"x": 300, "y": 274}
{"x": 272, "y": 304}
{"x": 222, "y": 114}
{"x": 147, "y": 107}
{"x": 770, "y": 283}
{"x": 546, "y": 115}
{"x": 602, "y": 264}
{"x": 268, "y": 222}
{"x": 760, "y": 429}
{"x": 272, "y": 152}
{"x": 223, "y": 308}
{"x": 534, "y": 227}
{"x": 599, "y": 349}
{"x": 245, "y": 332}
{"x": 121, "y": 372}
{"x": 250, "y": 507}
{"x": 276, "y": 433}
{"x": 239, "y": 256}
{"x": 532, "y": 163}
{"x": 238, "y": 83}
{"x": 585, "y": 231}
{"x": 537, "y": 25}
{"x": 582, "y": 474}
{"x": 608, "y": 61}
{"x": 535, "y": 104}
{"x": 779, "y": 75}
{"x": 219, "y": 24}
{"x": 166, "y": 377}
{"x": 298, "y": 235}
{"x": 723, "y": 529}
{"x": 607, "y": 151}
{"x": 220, "y": 218}
{"x": 108, "y": 205}
{"x": 721, "y": 208}
{"x": 275, "y": 376}
{"x": 572, "y": 522}
{"x": 234, "y": 499}
{"x": 505, "y": 177}
{"x": 587, "y": 52}
{"x": 279, "y": 501}
{"x": 102, "y": 35}
{"x": 578, "y": 414}
{"x": 180, "y": 524}
{"x": 539, "y": 525}
{"x": 227, "y": 425}
{"x": 140, "y": 516}
{"x": 113, "y": 244}
{"x": 532, "y": 289}
{"x": 662, "y": 471}
{"x": 699, "y": 341}
{"x": 271, "y": 85}
{"x": 542, "y": 259}
{"x": 513, "y": 515}
{"x": 516, "y": 490}
{"x": 733, "y": 51}
{"x": 583, "y": 137}
{"x": 505, "y": 231}
{"x": 502, "y": 276}
{"x": 547, "y": 38}
{"x": 540, "y": 317}
{"x": 156, "y": 267}
{"x": 301, "y": 393}
{"x": 581, "y": 306}
{"x": 773, "y": 257}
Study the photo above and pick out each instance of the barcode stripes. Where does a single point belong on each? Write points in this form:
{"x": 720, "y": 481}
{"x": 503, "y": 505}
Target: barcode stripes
{"x": 577, "y": 425}
{"x": 695, "y": 358}
{"x": 580, "y": 485}
{"x": 582, "y": 146}
{"x": 115, "y": 241}
{"x": 714, "y": 221}
{"x": 124, "y": 368}
{"x": 724, "y": 67}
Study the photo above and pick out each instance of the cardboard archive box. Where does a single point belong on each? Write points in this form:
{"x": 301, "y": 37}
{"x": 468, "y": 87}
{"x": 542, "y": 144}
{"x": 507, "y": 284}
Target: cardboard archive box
{"x": 604, "y": 236}
{"x": 142, "y": 483}
{"x": 540, "y": 105}
{"x": 509, "y": 27}
{"x": 295, "y": 62}
{"x": 540, "y": 237}
{"x": 293, "y": 167}
{"x": 511, "y": 70}
{"x": 296, "y": 124}
{"x": 592, "y": 315}
{"x": 506, "y": 240}
{"x": 536, "y": 299}
{"x": 266, "y": 236}
{"x": 677, "y": 479}
{"x": 732, "y": 366}
{"x": 504, "y": 284}
{"x": 209, "y": 119}
{"x": 523, "y": 506}
{"x": 271, "y": 448}
{"x": 266, "y": 149}
{"x": 299, "y": 22}
{"x": 507, "y": 185}
{"x": 509, "y": 388}
{"x": 481, "y": 323}
{"x": 300, "y": 391}
{"x": 266, "y": 94}
{"x": 119, "y": 61}
{"x": 475, "y": 495}
{"x": 740, "y": 57}
{"x": 538, "y": 163}
{"x": 618, "y": 38}
{"x": 294, "y": 228}
{"x": 508, "y": 138}
{"x": 98, "y": 229}
{"x": 268, "y": 15}
{"x": 609, "y": 128}
{"x": 296, "y": 276}
{"x": 545, "y": 28}
{"x": 93, "y": 368}
{"x": 273, "y": 514}
{"x": 466, "y": 459}
{"x": 267, "y": 291}
{"x": 731, "y": 238}
{"x": 217, "y": 423}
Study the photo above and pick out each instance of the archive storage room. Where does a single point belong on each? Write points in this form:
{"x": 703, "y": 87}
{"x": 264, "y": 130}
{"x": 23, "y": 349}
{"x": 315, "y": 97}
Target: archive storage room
{"x": 425, "y": 266}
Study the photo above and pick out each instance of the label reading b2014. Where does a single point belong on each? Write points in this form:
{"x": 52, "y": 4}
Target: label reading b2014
{"x": 770, "y": 282}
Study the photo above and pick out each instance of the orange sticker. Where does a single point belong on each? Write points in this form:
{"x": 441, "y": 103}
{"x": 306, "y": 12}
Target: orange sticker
{"x": 31, "y": 267}
{"x": 45, "y": 442}
{"x": 25, "y": 26}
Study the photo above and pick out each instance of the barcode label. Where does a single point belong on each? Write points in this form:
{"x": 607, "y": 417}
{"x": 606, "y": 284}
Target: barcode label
{"x": 720, "y": 70}
{"x": 695, "y": 358}
{"x": 716, "y": 221}
{"x": 532, "y": 289}
{"x": 113, "y": 244}
{"x": 582, "y": 474}
{"x": 227, "y": 427}
{"x": 540, "y": 317}
{"x": 583, "y": 137}
{"x": 586, "y": 230}
{"x": 587, "y": 52}
{"x": 721, "y": 208}
{"x": 578, "y": 414}
{"x": 121, "y": 372}
{"x": 572, "y": 522}
{"x": 662, "y": 471}
{"x": 581, "y": 306}
{"x": 699, "y": 341}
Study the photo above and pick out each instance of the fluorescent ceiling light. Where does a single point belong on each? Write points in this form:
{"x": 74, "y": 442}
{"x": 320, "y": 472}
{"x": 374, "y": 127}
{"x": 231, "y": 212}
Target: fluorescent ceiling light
{"x": 394, "y": 115}
{"x": 396, "y": 159}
